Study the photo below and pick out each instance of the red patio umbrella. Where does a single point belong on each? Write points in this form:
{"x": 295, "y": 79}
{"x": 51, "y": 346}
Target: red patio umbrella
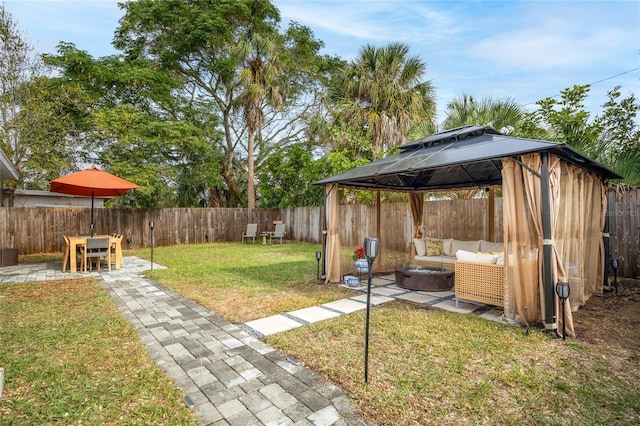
{"x": 92, "y": 182}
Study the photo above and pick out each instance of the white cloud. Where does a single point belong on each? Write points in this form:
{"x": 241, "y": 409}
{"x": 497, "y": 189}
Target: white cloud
{"x": 550, "y": 47}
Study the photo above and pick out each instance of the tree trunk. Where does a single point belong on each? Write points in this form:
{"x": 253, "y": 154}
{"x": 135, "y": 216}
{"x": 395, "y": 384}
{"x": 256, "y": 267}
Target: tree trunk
{"x": 251, "y": 189}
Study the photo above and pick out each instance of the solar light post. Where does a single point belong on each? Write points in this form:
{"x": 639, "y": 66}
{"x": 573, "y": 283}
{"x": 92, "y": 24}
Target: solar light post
{"x": 318, "y": 256}
{"x": 615, "y": 266}
{"x": 371, "y": 252}
{"x": 563, "y": 290}
{"x": 151, "y": 226}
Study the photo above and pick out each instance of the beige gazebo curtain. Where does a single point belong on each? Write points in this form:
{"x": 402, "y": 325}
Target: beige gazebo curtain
{"x": 416, "y": 202}
{"x": 577, "y": 202}
{"x": 533, "y": 183}
{"x": 522, "y": 292}
{"x": 578, "y": 232}
{"x": 333, "y": 248}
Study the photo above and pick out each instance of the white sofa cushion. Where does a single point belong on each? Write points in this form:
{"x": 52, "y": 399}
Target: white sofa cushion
{"x": 464, "y": 245}
{"x": 446, "y": 247}
{"x": 470, "y": 256}
{"x": 421, "y": 248}
{"x": 489, "y": 247}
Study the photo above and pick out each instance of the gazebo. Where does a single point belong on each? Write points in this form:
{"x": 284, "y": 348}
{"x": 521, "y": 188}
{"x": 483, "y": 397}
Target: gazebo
{"x": 554, "y": 209}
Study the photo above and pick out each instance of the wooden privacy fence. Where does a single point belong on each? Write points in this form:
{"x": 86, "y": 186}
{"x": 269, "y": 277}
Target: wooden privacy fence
{"x": 40, "y": 229}
{"x": 623, "y": 212}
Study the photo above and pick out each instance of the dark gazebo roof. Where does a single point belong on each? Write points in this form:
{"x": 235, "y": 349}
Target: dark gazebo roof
{"x": 465, "y": 157}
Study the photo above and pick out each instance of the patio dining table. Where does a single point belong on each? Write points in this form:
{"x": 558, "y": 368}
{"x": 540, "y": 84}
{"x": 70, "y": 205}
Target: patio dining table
{"x": 77, "y": 240}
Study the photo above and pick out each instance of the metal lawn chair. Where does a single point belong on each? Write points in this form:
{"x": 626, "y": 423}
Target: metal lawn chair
{"x": 278, "y": 233}
{"x": 252, "y": 230}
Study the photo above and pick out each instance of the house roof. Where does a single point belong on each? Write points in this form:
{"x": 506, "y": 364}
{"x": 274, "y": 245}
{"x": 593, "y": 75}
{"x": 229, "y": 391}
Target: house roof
{"x": 465, "y": 157}
{"x": 7, "y": 170}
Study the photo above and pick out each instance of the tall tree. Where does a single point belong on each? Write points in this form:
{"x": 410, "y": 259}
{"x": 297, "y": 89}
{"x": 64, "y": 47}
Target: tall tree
{"x": 566, "y": 120}
{"x": 198, "y": 41}
{"x": 30, "y": 115}
{"x": 383, "y": 91}
{"x": 261, "y": 68}
{"x": 611, "y": 138}
{"x": 503, "y": 115}
{"x": 619, "y": 131}
{"x": 130, "y": 122}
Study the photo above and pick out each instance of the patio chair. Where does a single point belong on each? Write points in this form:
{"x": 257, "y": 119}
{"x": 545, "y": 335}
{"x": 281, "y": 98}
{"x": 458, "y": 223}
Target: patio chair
{"x": 66, "y": 258}
{"x": 252, "y": 230}
{"x": 114, "y": 249}
{"x": 278, "y": 233}
{"x": 67, "y": 253}
{"x": 96, "y": 248}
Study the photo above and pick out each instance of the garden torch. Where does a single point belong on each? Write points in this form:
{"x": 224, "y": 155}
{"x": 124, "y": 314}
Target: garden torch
{"x": 371, "y": 252}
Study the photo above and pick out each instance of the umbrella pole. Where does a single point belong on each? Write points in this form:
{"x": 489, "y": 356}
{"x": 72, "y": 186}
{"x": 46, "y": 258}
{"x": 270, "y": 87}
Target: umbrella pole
{"x": 91, "y": 228}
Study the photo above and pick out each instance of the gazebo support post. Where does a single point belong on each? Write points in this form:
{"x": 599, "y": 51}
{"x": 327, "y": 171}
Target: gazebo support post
{"x": 378, "y": 216}
{"x": 492, "y": 212}
{"x": 549, "y": 305}
{"x": 607, "y": 253}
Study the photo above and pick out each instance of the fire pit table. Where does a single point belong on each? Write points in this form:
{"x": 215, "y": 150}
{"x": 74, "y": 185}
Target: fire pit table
{"x": 424, "y": 278}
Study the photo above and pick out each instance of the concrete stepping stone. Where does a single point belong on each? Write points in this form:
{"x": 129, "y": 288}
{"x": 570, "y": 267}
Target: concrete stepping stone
{"x": 345, "y": 306}
{"x": 375, "y": 300}
{"x": 438, "y": 294}
{"x": 417, "y": 298}
{"x": 386, "y": 291}
{"x": 314, "y": 314}
{"x": 272, "y": 325}
{"x": 462, "y": 308}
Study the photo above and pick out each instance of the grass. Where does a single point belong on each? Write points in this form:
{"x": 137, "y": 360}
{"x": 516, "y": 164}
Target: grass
{"x": 242, "y": 282}
{"x": 426, "y": 366}
{"x": 70, "y": 358}
{"x": 433, "y": 367}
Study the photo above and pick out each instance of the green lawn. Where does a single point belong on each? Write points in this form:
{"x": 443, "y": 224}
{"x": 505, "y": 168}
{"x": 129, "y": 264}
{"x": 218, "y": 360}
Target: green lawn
{"x": 70, "y": 358}
{"x": 426, "y": 366}
{"x": 242, "y": 282}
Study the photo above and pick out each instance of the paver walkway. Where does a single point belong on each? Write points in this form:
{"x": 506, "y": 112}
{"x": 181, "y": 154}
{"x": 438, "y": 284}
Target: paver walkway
{"x": 228, "y": 376}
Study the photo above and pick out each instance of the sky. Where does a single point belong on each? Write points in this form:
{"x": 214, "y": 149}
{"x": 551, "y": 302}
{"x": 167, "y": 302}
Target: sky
{"x": 522, "y": 50}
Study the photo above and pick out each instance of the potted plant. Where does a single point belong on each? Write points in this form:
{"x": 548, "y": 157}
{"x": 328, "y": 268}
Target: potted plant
{"x": 361, "y": 262}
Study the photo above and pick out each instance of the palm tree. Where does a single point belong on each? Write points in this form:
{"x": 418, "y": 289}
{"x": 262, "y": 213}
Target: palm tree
{"x": 503, "y": 115}
{"x": 382, "y": 91}
{"x": 259, "y": 56}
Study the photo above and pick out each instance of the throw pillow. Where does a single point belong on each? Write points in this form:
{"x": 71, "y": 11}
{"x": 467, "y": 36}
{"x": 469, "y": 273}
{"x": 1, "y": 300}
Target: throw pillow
{"x": 465, "y": 245}
{"x": 488, "y": 246}
{"x": 446, "y": 247}
{"x": 420, "y": 247}
{"x": 433, "y": 246}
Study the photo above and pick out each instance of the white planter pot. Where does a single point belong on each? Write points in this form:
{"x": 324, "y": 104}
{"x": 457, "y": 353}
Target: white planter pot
{"x": 362, "y": 265}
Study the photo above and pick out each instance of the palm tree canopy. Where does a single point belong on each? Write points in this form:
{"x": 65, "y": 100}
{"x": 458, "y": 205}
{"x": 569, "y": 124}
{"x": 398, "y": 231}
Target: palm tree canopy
{"x": 504, "y": 115}
{"x": 383, "y": 91}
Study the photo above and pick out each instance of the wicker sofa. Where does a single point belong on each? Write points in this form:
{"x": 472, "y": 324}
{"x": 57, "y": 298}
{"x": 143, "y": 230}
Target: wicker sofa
{"x": 423, "y": 250}
{"x": 479, "y": 276}
{"x": 480, "y": 282}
